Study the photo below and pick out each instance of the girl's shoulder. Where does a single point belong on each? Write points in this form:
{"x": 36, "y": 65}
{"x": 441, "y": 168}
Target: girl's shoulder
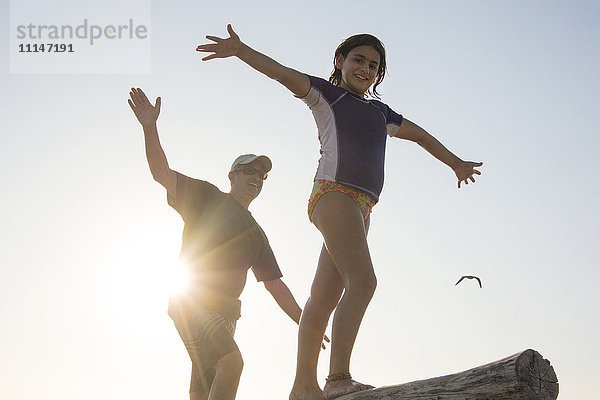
{"x": 378, "y": 103}
{"x": 391, "y": 116}
{"x": 317, "y": 81}
{"x": 324, "y": 86}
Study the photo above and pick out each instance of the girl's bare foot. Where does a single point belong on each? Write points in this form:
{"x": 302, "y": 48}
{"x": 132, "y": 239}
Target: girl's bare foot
{"x": 306, "y": 394}
{"x": 337, "y": 388}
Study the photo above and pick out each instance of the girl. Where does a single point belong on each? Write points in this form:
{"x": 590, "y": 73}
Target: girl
{"x": 352, "y": 132}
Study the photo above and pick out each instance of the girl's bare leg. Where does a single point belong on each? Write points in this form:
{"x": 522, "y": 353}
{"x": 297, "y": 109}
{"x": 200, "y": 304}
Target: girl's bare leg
{"x": 340, "y": 221}
{"x": 325, "y": 293}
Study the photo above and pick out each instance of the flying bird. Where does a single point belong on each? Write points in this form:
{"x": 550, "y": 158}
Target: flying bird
{"x": 469, "y": 277}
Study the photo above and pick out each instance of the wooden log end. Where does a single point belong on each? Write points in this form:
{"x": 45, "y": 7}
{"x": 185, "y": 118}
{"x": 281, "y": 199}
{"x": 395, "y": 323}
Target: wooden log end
{"x": 537, "y": 376}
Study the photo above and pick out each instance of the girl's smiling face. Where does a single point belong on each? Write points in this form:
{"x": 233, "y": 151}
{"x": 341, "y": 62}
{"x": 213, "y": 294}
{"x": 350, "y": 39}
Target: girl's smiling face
{"x": 359, "y": 69}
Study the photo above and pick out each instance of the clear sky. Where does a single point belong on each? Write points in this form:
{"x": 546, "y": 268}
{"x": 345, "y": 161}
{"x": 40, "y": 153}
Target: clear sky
{"x": 88, "y": 242}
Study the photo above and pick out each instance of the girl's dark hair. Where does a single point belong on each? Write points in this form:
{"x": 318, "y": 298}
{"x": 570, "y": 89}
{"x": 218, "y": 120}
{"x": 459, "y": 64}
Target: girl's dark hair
{"x": 352, "y": 42}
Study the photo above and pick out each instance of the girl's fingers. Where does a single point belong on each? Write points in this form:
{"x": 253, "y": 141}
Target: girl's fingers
{"x": 231, "y": 31}
{"x": 214, "y": 38}
{"x": 210, "y": 57}
{"x": 207, "y": 47}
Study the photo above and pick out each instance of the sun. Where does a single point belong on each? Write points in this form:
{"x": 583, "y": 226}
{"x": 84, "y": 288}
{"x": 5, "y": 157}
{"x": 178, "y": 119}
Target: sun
{"x": 146, "y": 270}
{"x": 175, "y": 278}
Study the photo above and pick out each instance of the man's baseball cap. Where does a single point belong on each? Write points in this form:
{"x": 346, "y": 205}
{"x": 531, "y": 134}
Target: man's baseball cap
{"x": 264, "y": 161}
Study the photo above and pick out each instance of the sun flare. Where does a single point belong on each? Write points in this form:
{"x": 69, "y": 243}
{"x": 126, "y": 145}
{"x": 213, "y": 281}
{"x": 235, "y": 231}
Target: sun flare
{"x": 176, "y": 279}
{"x": 146, "y": 272}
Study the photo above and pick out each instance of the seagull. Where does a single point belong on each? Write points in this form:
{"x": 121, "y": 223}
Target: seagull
{"x": 470, "y": 277}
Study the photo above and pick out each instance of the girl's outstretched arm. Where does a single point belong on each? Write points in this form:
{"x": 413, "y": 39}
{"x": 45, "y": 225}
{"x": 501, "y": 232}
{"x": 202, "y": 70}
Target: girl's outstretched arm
{"x": 297, "y": 82}
{"x": 464, "y": 170}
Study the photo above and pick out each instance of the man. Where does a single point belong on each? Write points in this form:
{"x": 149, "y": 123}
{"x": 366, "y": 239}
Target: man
{"x": 221, "y": 241}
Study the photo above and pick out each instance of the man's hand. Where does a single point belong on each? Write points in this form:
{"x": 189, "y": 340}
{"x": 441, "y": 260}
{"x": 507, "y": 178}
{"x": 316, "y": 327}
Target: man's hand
{"x": 465, "y": 171}
{"x": 145, "y": 112}
{"x": 222, "y": 48}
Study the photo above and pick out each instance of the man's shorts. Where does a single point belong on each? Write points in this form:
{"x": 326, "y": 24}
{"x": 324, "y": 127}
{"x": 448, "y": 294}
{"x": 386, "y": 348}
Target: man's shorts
{"x": 364, "y": 201}
{"x": 208, "y": 337}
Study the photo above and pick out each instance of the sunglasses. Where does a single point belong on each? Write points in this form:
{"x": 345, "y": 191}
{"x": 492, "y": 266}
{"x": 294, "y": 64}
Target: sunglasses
{"x": 248, "y": 170}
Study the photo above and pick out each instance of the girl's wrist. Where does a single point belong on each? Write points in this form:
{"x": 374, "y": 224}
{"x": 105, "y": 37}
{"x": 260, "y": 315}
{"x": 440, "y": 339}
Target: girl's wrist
{"x": 243, "y": 49}
{"x": 456, "y": 163}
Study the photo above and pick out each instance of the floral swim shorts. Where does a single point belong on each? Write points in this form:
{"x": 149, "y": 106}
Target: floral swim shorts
{"x": 321, "y": 186}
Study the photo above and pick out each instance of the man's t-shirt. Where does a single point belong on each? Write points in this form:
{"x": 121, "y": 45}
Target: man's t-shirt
{"x": 221, "y": 241}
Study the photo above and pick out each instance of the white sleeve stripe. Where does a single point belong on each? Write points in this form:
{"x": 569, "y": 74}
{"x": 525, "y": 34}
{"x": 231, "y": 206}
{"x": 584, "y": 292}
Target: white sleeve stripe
{"x": 392, "y": 128}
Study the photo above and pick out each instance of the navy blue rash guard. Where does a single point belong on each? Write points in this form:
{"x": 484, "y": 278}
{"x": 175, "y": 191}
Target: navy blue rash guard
{"x": 353, "y": 133}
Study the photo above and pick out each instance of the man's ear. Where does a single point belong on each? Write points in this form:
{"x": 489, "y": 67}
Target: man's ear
{"x": 339, "y": 60}
{"x": 229, "y": 175}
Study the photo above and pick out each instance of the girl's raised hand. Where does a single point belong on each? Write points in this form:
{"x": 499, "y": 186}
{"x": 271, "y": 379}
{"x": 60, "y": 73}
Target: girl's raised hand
{"x": 465, "y": 171}
{"x": 222, "y": 48}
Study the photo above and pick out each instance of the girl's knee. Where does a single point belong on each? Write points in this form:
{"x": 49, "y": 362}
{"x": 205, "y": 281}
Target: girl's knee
{"x": 317, "y": 310}
{"x": 363, "y": 285}
{"x": 326, "y": 297}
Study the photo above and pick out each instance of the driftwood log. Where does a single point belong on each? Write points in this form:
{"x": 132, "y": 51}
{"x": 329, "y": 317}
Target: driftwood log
{"x": 522, "y": 376}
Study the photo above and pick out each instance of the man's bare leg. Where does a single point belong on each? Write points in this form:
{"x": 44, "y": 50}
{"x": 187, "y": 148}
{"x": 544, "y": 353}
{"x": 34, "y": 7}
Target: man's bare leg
{"x": 227, "y": 378}
{"x": 325, "y": 293}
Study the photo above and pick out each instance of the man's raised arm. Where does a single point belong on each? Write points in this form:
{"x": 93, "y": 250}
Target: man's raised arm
{"x": 147, "y": 114}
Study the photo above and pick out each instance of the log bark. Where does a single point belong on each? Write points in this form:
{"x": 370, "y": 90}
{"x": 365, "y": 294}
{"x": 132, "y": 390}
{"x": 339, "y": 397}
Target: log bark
{"x": 522, "y": 376}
